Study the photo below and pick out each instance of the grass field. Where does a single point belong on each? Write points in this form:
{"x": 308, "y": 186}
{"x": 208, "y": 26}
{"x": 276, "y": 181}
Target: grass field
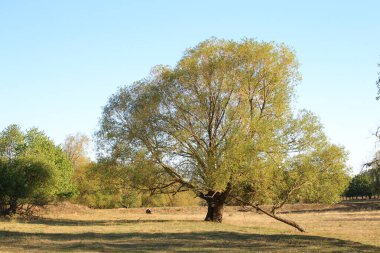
{"x": 348, "y": 227}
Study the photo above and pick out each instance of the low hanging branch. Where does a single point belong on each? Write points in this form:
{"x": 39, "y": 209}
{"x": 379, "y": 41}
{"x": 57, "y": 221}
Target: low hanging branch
{"x": 273, "y": 215}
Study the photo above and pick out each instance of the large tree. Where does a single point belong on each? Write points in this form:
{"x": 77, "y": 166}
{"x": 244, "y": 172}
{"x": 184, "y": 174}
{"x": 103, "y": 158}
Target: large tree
{"x": 220, "y": 123}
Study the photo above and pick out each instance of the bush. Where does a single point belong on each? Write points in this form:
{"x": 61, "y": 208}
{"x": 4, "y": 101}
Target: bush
{"x": 33, "y": 171}
{"x": 24, "y": 182}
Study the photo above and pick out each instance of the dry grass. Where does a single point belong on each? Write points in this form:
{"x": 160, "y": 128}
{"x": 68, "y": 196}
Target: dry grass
{"x": 78, "y": 229}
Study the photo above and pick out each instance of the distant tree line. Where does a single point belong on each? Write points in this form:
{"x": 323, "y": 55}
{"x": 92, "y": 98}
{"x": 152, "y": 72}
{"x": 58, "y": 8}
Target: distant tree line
{"x": 364, "y": 185}
{"x": 367, "y": 183}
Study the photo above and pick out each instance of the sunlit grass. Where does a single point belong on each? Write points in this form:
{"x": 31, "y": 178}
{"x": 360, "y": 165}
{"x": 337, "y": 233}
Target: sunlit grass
{"x": 78, "y": 229}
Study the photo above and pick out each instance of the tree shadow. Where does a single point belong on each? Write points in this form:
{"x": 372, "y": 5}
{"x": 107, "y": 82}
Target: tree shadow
{"x": 221, "y": 241}
{"x": 70, "y": 222}
{"x": 346, "y": 206}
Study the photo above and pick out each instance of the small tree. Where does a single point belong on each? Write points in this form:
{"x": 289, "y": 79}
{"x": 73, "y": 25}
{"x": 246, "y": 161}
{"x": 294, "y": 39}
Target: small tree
{"x": 75, "y": 146}
{"x": 23, "y": 184}
{"x": 33, "y": 171}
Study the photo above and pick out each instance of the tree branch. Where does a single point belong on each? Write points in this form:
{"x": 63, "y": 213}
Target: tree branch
{"x": 273, "y": 215}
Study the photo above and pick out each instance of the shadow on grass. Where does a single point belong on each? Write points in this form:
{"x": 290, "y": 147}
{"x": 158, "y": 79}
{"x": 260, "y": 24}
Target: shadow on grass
{"x": 345, "y": 206}
{"x": 69, "y": 222}
{"x": 221, "y": 241}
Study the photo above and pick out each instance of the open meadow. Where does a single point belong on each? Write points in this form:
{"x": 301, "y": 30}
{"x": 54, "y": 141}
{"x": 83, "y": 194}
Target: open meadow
{"x": 349, "y": 227}
{"x": 190, "y": 126}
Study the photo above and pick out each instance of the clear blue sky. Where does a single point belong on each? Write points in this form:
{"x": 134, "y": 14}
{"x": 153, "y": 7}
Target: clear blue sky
{"x": 61, "y": 60}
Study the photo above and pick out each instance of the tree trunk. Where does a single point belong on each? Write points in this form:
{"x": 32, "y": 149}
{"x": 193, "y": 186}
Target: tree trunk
{"x": 214, "y": 211}
{"x": 13, "y": 206}
{"x": 215, "y": 204}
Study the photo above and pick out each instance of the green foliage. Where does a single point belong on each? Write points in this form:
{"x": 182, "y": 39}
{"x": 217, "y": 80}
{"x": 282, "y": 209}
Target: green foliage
{"x": 99, "y": 185}
{"x": 33, "y": 170}
{"x": 106, "y": 185}
{"x": 323, "y": 175}
{"x": 221, "y": 122}
{"x": 374, "y": 173}
{"x": 367, "y": 183}
{"x": 37, "y": 144}
{"x": 11, "y": 142}
{"x": 24, "y": 181}
{"x": 360, "y": 185}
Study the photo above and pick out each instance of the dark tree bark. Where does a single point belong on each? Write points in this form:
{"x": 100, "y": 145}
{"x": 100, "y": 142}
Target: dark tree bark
{"x": 13, "y": 206}
{"x": 215, "y": 204}
{"x": 215, "y": 209}
{"x": 9, "y": 208}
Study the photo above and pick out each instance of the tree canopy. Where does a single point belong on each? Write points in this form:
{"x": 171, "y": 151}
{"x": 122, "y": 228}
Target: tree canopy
{"x": 360, "y": 186}
{"x": 220, "y": 123}
{"x": 33, "y": 170}
{"x": 372, "y": 172}
{"x": 76, "y": 146}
